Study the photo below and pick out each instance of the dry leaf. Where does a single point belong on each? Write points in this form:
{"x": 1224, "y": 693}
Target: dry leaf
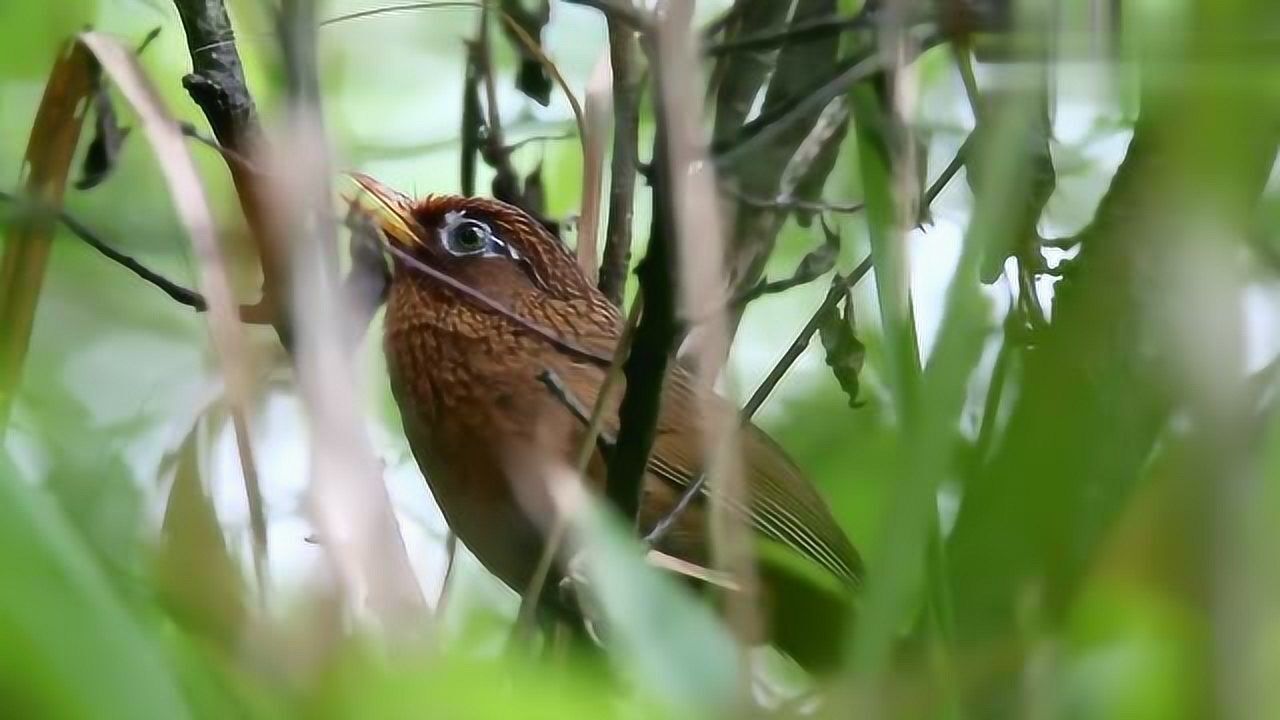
{"x": 26, "y": 252}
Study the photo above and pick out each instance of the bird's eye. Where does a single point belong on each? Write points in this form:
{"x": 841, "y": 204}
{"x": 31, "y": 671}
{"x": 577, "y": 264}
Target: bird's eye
{"x": 467, "y": 237}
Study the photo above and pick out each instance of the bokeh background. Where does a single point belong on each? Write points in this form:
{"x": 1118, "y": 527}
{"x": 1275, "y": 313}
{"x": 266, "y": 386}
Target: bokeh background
{"x": 1172, "y": 608}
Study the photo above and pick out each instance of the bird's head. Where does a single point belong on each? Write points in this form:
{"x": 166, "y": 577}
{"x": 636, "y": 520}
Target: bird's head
{"x": 490, "y": 246}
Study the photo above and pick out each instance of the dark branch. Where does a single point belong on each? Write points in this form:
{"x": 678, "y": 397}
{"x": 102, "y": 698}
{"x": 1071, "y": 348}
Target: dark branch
{"x": 216, "y": 82}
{"x": 626, "y": 137}
{"x": 182, "y": 295}
{"x": 655, "y": 337}
{"x": 217, "y": 85}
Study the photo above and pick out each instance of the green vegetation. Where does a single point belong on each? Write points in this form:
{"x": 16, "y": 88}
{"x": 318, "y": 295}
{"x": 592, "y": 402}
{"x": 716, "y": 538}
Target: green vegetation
{"x": 1059, "y": 455}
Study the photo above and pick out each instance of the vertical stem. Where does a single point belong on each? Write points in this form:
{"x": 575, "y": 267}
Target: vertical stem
{"x": 349, "y": 499}
{"x": 703, "y": 284}
{"x": 622, "y": 180}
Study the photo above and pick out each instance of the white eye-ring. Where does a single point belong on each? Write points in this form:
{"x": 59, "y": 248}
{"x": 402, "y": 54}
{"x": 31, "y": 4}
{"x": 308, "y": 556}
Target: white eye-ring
{"x": 465, "y": 237}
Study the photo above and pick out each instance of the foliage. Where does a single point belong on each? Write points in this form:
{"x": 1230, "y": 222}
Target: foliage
{"x": 1050, "y": 432}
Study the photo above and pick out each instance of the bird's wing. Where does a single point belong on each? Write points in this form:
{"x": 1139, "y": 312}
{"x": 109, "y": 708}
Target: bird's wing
{"x": 782, "y": 504}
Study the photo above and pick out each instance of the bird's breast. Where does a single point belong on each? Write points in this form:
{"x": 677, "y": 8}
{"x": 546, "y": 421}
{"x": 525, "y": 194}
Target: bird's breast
{"x": 480, "y": 425}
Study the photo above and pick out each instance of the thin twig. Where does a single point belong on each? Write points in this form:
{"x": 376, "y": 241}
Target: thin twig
{"x": 801, "y": 341}
{"x": 783, "y": 204}
{"x": 512, "y": 147}
{"x": 405, "y": 7}
{"x": 555, "y": 385}
{"x": 949, "y": 172}
{"x": 227, "y": 153}
{"x": 178, "y": 293}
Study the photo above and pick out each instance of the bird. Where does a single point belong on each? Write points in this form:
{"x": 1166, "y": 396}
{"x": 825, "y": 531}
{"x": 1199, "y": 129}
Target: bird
{"x": 483, "y": 303}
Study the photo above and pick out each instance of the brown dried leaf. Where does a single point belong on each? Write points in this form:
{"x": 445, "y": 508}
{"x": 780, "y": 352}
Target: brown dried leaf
{"x": 26, "y": 252}
{"x": 108, "y": 139}
{"x": 845, "y": 352}
{"x": 196, "y": 576}
{"x": 532, "y": 78}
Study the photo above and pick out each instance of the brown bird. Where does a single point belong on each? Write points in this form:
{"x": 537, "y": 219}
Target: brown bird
{"x": 465, "y": 348}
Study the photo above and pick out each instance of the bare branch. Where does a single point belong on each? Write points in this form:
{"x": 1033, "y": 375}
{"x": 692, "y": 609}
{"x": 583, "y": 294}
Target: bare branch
{"x": 626, "y": 137}
{"x": 217, "y": 85}
{"x": 178, "y": 293}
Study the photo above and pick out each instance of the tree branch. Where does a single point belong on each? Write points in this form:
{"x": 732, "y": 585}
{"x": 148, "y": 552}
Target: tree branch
{"x": 622, "y": 182}
{"x": 217, "y": 85}
{"x": 646, "y": 365}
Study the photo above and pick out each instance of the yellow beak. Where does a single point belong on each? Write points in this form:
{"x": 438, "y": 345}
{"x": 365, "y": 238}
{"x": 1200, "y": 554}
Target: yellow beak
{"x": 389, "y": 208}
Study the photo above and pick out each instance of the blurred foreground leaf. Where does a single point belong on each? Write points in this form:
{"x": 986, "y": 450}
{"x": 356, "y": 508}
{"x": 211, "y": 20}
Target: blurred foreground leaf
{"x": 668, "y": 641}
{"x": 32, "y": 31}
{"x": 68, "y": 646}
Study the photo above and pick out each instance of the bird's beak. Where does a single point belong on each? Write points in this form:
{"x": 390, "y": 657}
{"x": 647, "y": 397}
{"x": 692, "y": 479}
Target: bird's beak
{"x": 389, "y": 208}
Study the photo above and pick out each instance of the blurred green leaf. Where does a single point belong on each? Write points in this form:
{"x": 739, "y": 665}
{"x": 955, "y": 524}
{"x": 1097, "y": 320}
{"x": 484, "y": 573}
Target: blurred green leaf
{"x": 366, "y": 686}
{"x": 33, "y": 31}
{"x": 669, "y": 642}
{"x": 1130, "y": 655}
{"x": 68, "y": 646}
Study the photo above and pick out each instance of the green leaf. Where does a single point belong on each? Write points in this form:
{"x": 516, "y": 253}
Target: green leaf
{"x": 668, "y": 641}
{"x": 70, "y": 647}
{"x": 35, "y": 30}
